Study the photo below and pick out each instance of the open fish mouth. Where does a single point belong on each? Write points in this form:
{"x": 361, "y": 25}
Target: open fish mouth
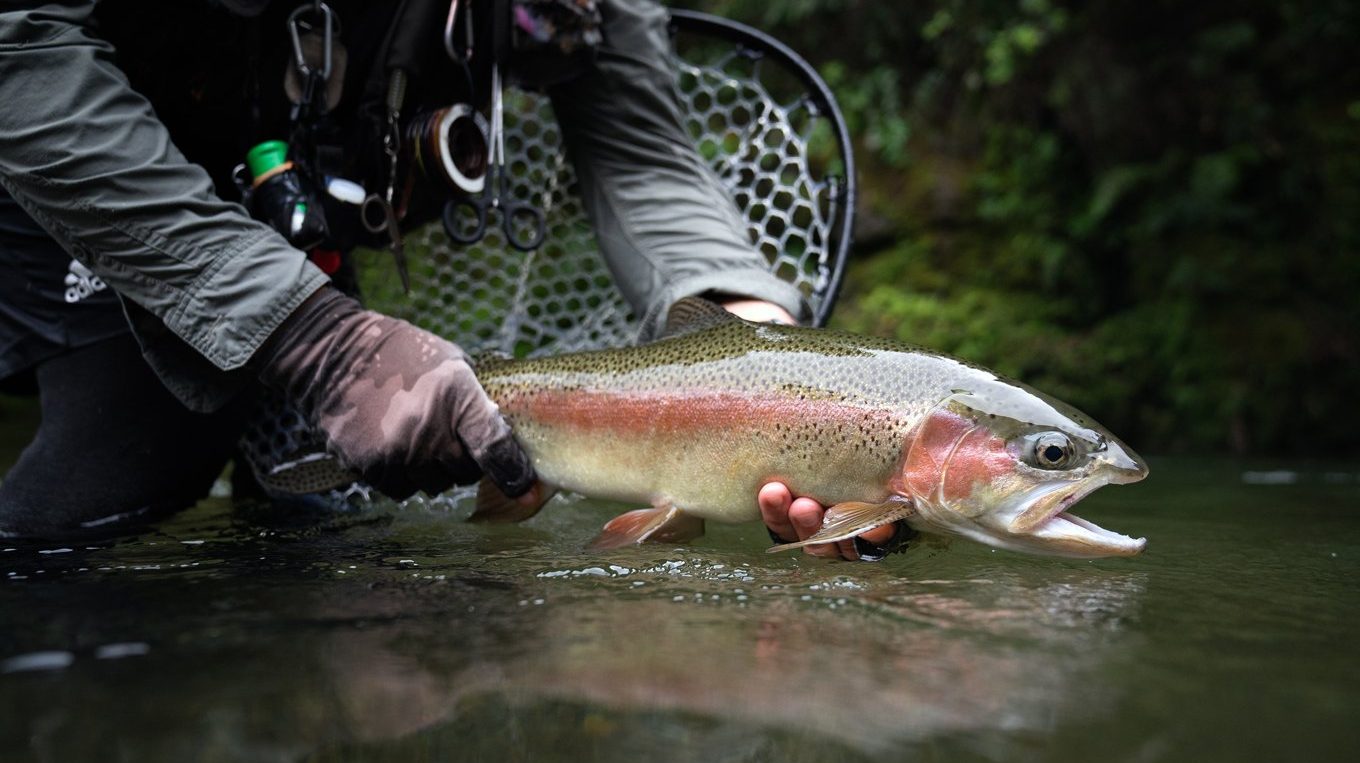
{"x": 1065, "y": 533}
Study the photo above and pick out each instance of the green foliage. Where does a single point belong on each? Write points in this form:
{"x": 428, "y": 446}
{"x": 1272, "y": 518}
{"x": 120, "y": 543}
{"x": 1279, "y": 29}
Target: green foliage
{"x": 1151, "y": 209}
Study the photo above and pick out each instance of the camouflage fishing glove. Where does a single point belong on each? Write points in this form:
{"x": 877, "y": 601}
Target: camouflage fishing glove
{"x": 399, "y": 405}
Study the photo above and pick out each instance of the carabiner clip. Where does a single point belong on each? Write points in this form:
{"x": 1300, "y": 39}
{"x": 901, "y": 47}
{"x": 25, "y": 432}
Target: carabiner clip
{"x": 448, "y": 34}
{"x": 295, "y": 20}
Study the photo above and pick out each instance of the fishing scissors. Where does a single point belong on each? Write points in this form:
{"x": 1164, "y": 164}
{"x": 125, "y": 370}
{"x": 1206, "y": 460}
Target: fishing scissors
{"x": 523, "y": 223}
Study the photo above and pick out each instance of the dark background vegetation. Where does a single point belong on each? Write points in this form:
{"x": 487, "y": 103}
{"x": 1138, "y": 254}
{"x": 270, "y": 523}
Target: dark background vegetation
{"x": 1150, "y": 209}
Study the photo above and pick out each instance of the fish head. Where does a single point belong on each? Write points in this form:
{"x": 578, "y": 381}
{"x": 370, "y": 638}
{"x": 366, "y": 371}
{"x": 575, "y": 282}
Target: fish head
{"x": 1002, "y": 463}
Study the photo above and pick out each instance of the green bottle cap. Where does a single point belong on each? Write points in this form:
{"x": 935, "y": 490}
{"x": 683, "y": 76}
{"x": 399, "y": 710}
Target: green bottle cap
{"x": 266, "y": 156}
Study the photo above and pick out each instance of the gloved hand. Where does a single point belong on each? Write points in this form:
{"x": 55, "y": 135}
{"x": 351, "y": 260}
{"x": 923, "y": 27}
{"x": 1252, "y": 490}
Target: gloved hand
{"x": 399, "y": 405}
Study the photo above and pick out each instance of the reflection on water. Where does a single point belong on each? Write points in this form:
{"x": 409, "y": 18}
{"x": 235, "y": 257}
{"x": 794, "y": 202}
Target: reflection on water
{"x": 406, "y": 635}
{"x": 866, "y": 670}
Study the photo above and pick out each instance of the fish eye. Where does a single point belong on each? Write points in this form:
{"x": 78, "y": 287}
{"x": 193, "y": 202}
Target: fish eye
{"x": 1051, "y": 450}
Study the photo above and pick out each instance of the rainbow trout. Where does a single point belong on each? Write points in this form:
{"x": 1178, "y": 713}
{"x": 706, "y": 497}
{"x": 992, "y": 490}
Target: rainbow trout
{"x": 694, "y": 423}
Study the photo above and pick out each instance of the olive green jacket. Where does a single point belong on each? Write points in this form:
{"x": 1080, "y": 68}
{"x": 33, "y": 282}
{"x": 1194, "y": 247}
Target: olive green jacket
{"x": 86, "y": 157}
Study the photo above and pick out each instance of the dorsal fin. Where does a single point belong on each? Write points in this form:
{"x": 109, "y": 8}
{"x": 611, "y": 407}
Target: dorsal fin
{"x": 692, "y": 314}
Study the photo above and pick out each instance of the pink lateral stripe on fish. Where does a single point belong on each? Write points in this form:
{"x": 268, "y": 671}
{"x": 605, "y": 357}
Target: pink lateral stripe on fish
{"x": 623, "y": 413}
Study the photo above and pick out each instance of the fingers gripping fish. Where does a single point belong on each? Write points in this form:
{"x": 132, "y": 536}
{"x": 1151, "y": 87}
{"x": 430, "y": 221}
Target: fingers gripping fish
{"x": 696, "y": 422}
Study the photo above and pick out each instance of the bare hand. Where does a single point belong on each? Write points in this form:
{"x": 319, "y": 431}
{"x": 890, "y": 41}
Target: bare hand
{"x": 795, "y": 519}
{"x": 759, "y": 311}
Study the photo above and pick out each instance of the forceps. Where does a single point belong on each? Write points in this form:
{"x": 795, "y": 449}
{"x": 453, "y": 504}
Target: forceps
{"x": 515, "y": 215}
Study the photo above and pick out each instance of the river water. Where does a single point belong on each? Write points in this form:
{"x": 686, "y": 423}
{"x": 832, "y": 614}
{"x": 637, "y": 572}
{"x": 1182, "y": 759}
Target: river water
{"x": 405, "y": 634}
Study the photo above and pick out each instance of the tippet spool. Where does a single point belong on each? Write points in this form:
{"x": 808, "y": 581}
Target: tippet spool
{"x": 450, "y": 146}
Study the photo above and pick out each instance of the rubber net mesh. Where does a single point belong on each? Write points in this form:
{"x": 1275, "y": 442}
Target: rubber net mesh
{"x": 750, "y": 119}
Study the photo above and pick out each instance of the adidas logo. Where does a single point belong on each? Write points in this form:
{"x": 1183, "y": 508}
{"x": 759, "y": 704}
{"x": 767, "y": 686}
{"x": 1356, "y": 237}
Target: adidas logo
{"x": 81, "y": 282}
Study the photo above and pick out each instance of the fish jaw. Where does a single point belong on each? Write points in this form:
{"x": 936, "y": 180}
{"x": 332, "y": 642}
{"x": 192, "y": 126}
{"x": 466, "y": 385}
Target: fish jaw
{"x": 1058, "y": 532}
{"x": 1013, "y": 526}
{"x": 1066, "y": 534}
{"x": 1042, "y": 515}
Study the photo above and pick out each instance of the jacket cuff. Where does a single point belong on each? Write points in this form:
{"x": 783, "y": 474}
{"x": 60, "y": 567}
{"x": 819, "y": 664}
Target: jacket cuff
{"x": 235, "y": 306}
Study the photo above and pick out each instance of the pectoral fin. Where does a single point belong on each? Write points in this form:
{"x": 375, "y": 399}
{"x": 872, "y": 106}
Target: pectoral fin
{"x": 495, "y": 506}
{"x": 846, "y": 520}
{"x": 662, "y": 525}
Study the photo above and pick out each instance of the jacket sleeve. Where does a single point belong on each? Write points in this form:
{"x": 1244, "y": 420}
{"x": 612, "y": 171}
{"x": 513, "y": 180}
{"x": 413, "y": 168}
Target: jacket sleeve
{"x": 86, "y": 157}
{"x": 665, "y": 224}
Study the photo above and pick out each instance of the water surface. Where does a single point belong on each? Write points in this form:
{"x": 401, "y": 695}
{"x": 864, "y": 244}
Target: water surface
{"x": 405, "y": 634}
